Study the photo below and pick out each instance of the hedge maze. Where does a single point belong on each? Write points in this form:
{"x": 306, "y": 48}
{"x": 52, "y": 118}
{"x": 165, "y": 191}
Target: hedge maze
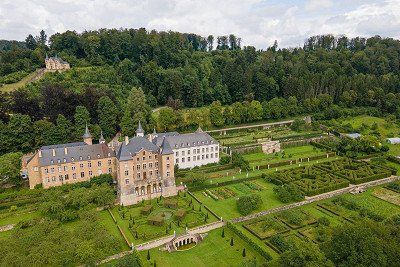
{"x": 329, "y": 176}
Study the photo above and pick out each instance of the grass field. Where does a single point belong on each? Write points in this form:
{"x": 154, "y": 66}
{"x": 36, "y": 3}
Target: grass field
{"x": 214, "y": 250}
{"x": 386, "y": 129}
{"x": 27, "y": 79}
{"x": 226, "y": 208}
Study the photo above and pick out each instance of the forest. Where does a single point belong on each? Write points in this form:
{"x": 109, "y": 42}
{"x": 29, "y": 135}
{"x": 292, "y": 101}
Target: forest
{"x": 118, "y": 76}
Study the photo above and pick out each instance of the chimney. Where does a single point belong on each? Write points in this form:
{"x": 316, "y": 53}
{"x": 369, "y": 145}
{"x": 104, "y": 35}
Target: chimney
{"x": 126, "y": 140}
{"x": 54, "y": 152}
{"x": 40, "y": 153}
{"x": 65, "y": 151}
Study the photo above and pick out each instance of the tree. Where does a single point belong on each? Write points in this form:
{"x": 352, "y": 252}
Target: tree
{"x": 20, "y": 133}
{"x": 231, "y": 243}
{"x": 167, "y": 119}
{"x": 255, "y": 111}
{"x": 137, "y": 107}
{"x": 216, "y": 114}
{"x": 148, "y": 255}
{"x": 244, "y": 252}
{"x": 30, "y": 42}
{"x": 10, "y": 166}
{"x": 303, "y": 254}
{"x": 223, "y": 233}
{"x": 107, "y": 116}
{"x": 288, "y": 193}
{"x": 42, "y": 38}
{"x": 64, "y": 129}
{"x": 82, "y": 118}
{"x": 247, "y": 204}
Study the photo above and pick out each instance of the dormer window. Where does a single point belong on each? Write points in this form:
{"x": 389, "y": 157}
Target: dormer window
{"x": 65, "y": 160}
{"x": 52, "y": 161}
{"x": 59, "y": 160}
{"x": 88, "y": 157}
{"x": 72, "y": 159}
{"x": 109, "y": 154}
{"x": 80, "y": 158}
{"x": 98, "y": 156}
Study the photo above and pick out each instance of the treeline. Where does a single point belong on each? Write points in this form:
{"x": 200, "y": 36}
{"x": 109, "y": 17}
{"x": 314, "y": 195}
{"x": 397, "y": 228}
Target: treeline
{"x": 199, "y": 70}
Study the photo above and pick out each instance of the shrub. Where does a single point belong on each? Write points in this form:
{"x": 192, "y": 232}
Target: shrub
{"x": 323, "y": 221}
{"x": 288, "y": 193}
{"x": 249, "y": 203}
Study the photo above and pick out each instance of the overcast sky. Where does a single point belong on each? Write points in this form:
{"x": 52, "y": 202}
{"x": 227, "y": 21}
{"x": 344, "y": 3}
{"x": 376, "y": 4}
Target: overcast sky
{"x": 257, "y": 22}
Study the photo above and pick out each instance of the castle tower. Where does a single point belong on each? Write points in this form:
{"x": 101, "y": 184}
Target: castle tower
{"x": 87, "y": 137}
{"x": 139, "y": 130}
{"x": 101, "y": 139}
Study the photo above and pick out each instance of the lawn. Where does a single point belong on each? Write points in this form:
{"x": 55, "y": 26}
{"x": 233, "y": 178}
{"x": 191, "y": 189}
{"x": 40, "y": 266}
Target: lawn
{"x": 226, "y": 208}
{"x": 214, "y": 250}
{"x": 27, "y": 79}
{"x": 386, "y": 129}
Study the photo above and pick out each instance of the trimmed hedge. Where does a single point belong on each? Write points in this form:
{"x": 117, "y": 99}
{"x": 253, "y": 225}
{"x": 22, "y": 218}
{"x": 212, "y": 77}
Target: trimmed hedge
{"x": 208, "y": 186}
{"x": 249, "y": 241}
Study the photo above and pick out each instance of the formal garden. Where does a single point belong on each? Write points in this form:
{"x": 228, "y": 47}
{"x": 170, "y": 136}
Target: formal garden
{"x": 159, "y": 217}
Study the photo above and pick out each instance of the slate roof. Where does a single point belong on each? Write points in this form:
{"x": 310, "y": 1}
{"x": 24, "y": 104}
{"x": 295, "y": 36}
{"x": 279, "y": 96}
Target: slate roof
{"x": 394, "y": 140}
{"x": 75, "y": 152}
{"x": 136, "y": 144}
{"x": 158, "y": 139}
{"x": 87, "y": 133}
{"x": 196, "y": 139}
{"x": 166, "y": 148}
{"x": 139, "y": 128}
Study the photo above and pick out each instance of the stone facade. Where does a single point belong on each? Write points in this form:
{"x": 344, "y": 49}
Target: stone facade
{"x": 56, "y": 64}
{"x": 270, "y": 147}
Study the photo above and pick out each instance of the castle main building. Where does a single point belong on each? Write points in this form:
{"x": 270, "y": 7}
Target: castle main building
{"x": 142, "y": 167}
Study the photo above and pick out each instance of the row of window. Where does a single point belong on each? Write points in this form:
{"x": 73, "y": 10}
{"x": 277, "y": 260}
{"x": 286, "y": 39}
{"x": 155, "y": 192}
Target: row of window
{"x": 74, "y": 176}
{"x": 80, "y": 158}
{"x": 144, "y": 166}
{"x": 194, "y": 151}
{"x": 73, "y": 167}
{"x": 149, "y": 157}
{"x": 139, "y": 176}
{"x": 207, "y": 156}
{"x": 195, "y": 143}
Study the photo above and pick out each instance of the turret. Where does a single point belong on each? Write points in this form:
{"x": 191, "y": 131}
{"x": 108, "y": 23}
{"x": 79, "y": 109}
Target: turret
{"x": 101, "y": 139}
{"x": 87, "y": 137}
{"x": 139, "y": 130}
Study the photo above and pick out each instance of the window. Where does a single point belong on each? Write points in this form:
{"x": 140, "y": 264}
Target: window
{"x": 66, "y": 177}
{"x": 211, "y": 155}
{"x": 183, "y": 153}
{"x": 138, "y": 167}
{"x": 126, "y": 173}
{"x": 88, "y": 157}
{"x": 126, "y": 181}
{"x": 216, "y": 148}
{"x": 151, "y": 173}
{"x": 59, "y": 168}
{"x": 59, "y": 160}
{"x": 52, "y": 161}
{"x": 150, "y": 165}
{"x": 177, "y": 153}
{"x": 156, "y": 156}
{"x": 194, "y": 158}
{"x": 64, "y": 160}
{"x": 216, "y": 155}
{"x": 183, "y": 159}
{"x": 81, "y": 165}
{"x": 74, "y": 176}
{"x": 138, "y": 175}
{"x": 60, "y": 177}
{"x": 126, "y": 165}
{"x": 144, "y": 166}
{"x": 194, "y": 151}
{"x": 168, "y": 166}
{"x": 73, "y": 168}
{"x": 109, "y": 162}
{"x": 206, "y": 156}
{"x": 82, "y": 174}
{"x": 176, "y": 160}
{"x": 198, "y": 151}
{"x": 52, "y": 170}
{"x": 65, "y": 168}
{"x": 202, "y": 150}
{"x": 150, "y": 157}
{"x": 46, "y": 170}
{"x": 72, "y": 159}
{"x": 202, "y": 156}
{"x": 188, "y": 159}
{"x": 109, "y": 170}
{"x": 212, "y": 149}
{"x": 90, "y": 173}
{"x": 89, "y": 164}
{"x": 206, "y": 149}
{"x": 157, "y": 172}
{"x": 35, "y": 169}
{"x": 80, "y": 158}
{"x": 167, "y": 158}
{"x": 53, "y": 178}
{"x": 48, "y": 180}
{"x": 167, "y": 174}
{"x": 99, "y": 163}
{"x": 198, "y": 157}
{"x": 98, "y": 156}
{"x": 137, "y": 159}
{"x": 144, "y": 158}
{"x": 156, "y": 164}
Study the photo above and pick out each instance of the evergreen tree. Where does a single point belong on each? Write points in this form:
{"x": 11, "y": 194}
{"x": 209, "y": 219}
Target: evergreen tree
{"x": 107, "y": 116}
{"x": 82, "y": 118}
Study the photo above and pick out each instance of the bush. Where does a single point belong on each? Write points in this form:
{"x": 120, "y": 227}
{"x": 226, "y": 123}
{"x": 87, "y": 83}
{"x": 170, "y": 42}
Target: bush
{"x": 249, "y": 203}
{"x": 288, "y": 193}
{"x": 323, "y": 221}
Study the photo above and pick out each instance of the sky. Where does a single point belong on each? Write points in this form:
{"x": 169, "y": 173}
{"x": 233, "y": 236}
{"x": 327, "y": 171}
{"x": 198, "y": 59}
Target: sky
{"x": 257, "y": 22}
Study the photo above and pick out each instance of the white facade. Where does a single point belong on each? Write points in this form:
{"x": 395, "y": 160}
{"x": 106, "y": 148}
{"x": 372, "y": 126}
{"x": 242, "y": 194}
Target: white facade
{"x": 191, "y": 157}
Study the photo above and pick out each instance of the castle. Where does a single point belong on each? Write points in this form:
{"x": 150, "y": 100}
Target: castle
{"x": 143, "y": 167}
{"x": 55, "y": 64}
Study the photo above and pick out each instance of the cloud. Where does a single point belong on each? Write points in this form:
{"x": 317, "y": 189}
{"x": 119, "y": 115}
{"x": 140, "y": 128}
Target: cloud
{"x": 257, "y": 22}
{"x": 312, "y": 5}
